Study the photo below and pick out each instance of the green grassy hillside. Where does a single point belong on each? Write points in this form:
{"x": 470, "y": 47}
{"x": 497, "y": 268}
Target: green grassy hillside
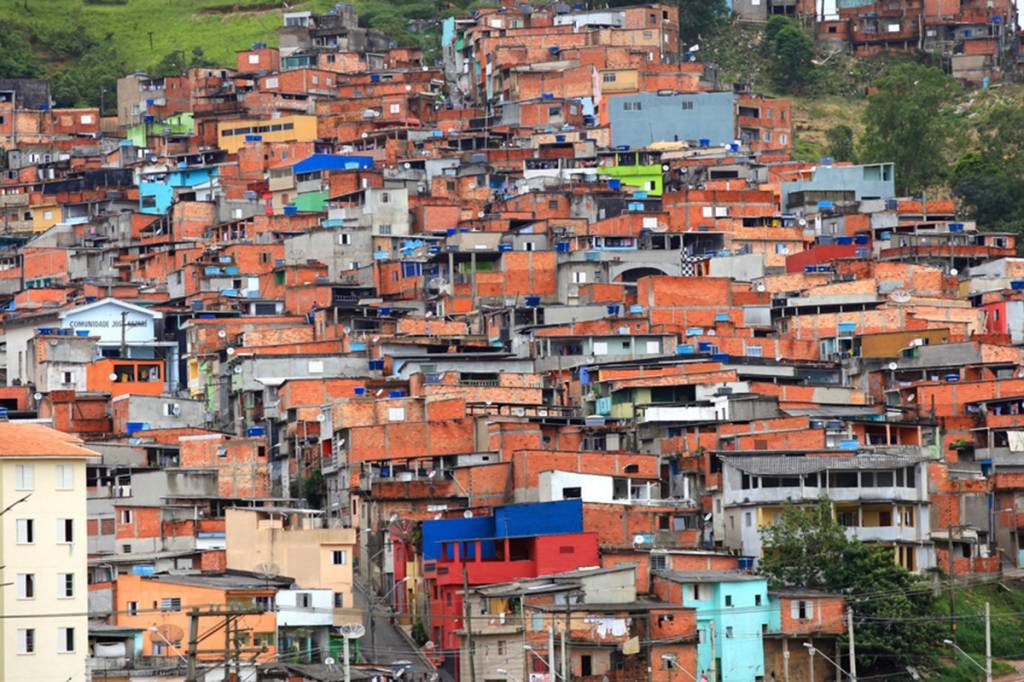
{"x": 143, "y": 31}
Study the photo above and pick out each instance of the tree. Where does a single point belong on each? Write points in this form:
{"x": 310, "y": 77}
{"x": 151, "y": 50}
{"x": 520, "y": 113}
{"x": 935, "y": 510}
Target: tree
{"x": 792, "y": 49}
{"x": 905, "y": 122}
{"x": 16, "y": 58}
{"x": 840, "y": 143}
{"x": 989, "y": 181}
{"x": 807, "y": 548}
{"x": 176, "y": 62}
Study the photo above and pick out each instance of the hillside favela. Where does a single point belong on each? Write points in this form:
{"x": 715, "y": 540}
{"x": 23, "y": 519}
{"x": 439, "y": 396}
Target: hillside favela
{"x": 451, "y": 341}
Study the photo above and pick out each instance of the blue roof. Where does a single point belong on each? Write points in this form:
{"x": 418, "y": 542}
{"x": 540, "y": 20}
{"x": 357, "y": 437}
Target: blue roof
{"x": 322, "y": 162}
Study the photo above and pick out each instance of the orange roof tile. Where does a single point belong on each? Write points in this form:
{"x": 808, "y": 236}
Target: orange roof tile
{"x": 37, "y": 440}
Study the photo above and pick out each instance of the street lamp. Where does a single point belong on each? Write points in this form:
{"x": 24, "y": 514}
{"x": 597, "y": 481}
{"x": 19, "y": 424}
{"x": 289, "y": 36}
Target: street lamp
{"x": 812, "y": 650}
{"x": 502, "y": 671}
{"x": 673, "y": 664}
{"x": 153, "y": 628}
{"x": 949, "y": 642}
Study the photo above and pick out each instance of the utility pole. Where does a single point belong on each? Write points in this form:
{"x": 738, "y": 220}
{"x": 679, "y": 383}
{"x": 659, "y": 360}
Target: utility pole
{"x": 465, "y": 615}
{"x": 565, "y": 664}
{"x": 785, "y": 660}
{"x": 810, "y": 665}
{"x": 714, "y": 665}
{"x": 227, "y": 645}
{"x": 988, "y": 644}
{"x": 949, "y": 580}
{"x": 124, "y": 327}
{"x": 193, "y": 643}
{"x": 238, "y": 654}
{"x": 853, "y": 650}
{"x": 551, "y": 649}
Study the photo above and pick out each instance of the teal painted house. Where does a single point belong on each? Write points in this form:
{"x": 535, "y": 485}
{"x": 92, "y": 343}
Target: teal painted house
{"x": 737, "y": 604}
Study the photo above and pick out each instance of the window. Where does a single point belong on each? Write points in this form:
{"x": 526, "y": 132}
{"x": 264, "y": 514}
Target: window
{"x": 757, "y": 600}
{"x": 344, "y": 239}
{"x": 304, "y": 600}
{"x": 65, "y": 477}
{"x": 26, "y": 532}
{"x": 579, "y": 277}
{"x": 384, "y": 229}
{"x": 27, "y": 641}
{"x": 339, "y": 557}
{"x": 385, "y": 197}
{"x": 728, "y": 632}
{"x": 728, "y": 600}
{"x": 65, "y": 585}
{"x": 631, "y": 106}
{"x": 573, "y": 493}
{"x": 501, "y": 647}
{"x": 24, "y": 476}
{"x": 748, "y": 519}
{"x": 658, "y": 562}
{"x": 69, "y": 377}
{"x": 800, "y": 610}
{"x": 65, "y": 531}
{"x": 133, "y": 608}
{"x": 687, "y": 105}
{"x": 339, "y": 600}
{"x": 170, "y": 604}
{"x": 395, "y": 108}
{"x": 608, "y": 78}
{"x": 554, "y": 111}
{"x": 26, "y": 586}
{"x": 126, "y": 516}
{"x": 847, "y": 519}
{"x": 65, "y": 640}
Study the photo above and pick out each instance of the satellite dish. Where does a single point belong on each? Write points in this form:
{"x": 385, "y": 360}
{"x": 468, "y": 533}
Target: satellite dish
{"x": 893, "y": 366}
{"x": 231, "y": 351}
{"x": 353, "y": 631}
{"x": 761, "y": 286}
{"x": 665, "y": 167}
{"x": 346, "y": 329}
{"x": 468, "y": 514}
{"x": 638, "y": 539}
{"x": 320, "y": 417}
{"x": 222, "y": 334}
{"x": 268, "y": 569}
{"x": 112, "y": 376}
{"x": 900, "y": 296}
{"x": 328, "y": 661}
{"x": 954, "y": 272}
{"x": 37, "y": 396}
{"x": 168, "y": 632}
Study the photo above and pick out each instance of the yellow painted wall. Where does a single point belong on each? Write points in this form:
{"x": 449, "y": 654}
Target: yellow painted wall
{"x": 302, "y": 129}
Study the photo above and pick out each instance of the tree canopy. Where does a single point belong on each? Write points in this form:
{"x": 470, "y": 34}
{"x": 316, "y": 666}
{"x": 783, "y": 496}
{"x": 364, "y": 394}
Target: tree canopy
{"x": 808, "y": 548}
{"x": 905, "y": 122}
{"x": 792, "y": 49}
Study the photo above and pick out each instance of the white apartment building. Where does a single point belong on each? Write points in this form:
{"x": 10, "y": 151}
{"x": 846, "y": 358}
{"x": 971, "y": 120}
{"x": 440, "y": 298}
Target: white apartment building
{"x": 43, "y": 551}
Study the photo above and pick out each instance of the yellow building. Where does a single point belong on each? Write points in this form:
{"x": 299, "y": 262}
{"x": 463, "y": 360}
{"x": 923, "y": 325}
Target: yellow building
{"x": 45, "y": 216}
{"x": 292, "y": 543}
{"x": 231, "y": 135}
{"x": 44, "y": 634}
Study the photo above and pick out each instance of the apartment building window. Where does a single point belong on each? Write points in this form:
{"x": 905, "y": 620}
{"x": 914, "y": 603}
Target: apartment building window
{"x": 757, "y": 600}
{"x": 65, "y": 531}
{"x": 847, "y": 519}
{"x": 65, "y": 640}
{"x": 687, "y": 105}
{"x": 304, "y": 600}
{"x": 632, "y": 106}
{"x": 133, "y": 608}
{"x": 800, "y": 610}
{"x": 26, "y": 586}
{"x": 344, "y": 239}
{"x": 339, "y": 557}
{"x": 24, "y": 476}
{"x": 69, "y": 377}
{"x": 385, "y": 229}
{"x": 608, "y": 78}
{"x": 579, "y": 277}
{"x": 65, "y": 585}
{"x": 170, "y": 604}
{"x": 728, "y": 632}
{"x": 385, "y": 197}
{"x": 26, "y": 532}
{"x": 658, "y": 562}
{"x": 65, "y": 477}
{"x": 26, "y": 641}
{"x": 339, "y": 600}
{"x": 728, "y": 600}
{"x": 126, "y": 516}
